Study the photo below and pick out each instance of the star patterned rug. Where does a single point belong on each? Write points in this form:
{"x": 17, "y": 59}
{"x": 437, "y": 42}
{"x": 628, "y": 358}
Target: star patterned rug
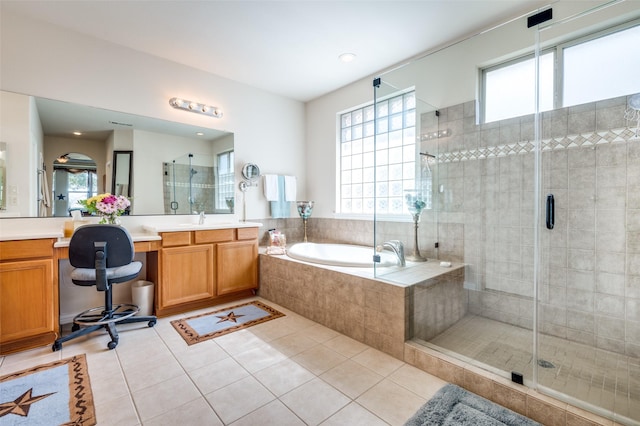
{"x": 57, "y": 393}
{"x": 206, "y": 326}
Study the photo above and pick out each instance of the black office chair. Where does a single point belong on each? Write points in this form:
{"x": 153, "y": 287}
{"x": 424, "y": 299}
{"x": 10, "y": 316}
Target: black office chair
{"x": 103, "y": 256}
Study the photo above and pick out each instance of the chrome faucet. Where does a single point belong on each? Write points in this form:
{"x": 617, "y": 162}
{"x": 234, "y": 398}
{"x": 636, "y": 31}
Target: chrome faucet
{"x": 398, "y": 248}
{"x": 202, "y": 218}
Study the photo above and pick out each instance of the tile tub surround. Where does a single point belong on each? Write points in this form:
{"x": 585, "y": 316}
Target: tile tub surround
{"x": 376, "y": 312}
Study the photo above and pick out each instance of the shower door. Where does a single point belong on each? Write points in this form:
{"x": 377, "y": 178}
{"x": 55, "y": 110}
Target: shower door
{"x": 588, "y": 312}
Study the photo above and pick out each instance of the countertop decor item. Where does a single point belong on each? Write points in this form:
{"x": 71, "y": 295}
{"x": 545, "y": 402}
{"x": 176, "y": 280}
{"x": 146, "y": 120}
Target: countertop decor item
{"x": 415, "y": 205}
{"x": 109, "y": 207}
{"x": 304, "y": 210}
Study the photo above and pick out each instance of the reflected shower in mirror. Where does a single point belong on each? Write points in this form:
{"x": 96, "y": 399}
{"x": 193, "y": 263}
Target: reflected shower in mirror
{"x": 195, "y": 183}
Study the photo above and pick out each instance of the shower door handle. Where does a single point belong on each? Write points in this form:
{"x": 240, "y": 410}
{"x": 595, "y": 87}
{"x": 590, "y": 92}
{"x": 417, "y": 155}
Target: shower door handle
{"x": 550, "y": 211}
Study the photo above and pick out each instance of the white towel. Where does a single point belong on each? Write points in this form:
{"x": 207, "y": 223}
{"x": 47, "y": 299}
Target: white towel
{"x": 271, "y": 187}
{"x": 290, "y": 188}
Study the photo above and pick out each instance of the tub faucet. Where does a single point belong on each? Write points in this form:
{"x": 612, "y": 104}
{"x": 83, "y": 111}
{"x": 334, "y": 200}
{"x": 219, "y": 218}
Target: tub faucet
{"x": 202, "y": 218}
{"x": 398, "y": 248}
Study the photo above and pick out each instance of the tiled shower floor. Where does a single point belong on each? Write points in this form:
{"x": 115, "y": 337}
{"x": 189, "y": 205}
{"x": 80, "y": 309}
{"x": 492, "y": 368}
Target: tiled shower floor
{"x": 601, "y": 378}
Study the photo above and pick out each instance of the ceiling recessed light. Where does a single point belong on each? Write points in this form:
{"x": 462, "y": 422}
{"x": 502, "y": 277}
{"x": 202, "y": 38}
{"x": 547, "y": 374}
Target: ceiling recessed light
{"x": 199, "y": 134}
{"x": 347, "y": 57}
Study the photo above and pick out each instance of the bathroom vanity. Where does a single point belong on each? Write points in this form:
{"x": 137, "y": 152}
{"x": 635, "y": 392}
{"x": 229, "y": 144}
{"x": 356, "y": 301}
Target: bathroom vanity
{"x": 193, "y": 266}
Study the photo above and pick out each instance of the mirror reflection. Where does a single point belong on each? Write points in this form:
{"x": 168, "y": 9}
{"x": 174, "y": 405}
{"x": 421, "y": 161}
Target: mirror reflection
{"x": 109, "y": 139}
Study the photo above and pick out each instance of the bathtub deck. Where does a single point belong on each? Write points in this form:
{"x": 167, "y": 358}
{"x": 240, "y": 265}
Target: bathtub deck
{"x": 412, "y": 274}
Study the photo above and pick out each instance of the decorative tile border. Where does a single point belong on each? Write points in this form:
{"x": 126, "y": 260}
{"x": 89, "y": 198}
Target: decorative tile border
{"x": 623, "y": 134}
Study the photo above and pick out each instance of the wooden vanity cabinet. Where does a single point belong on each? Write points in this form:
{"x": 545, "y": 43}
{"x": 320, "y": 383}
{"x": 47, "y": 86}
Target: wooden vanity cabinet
{"x": 28, "y": 294}
{"x": 202, "y": 268}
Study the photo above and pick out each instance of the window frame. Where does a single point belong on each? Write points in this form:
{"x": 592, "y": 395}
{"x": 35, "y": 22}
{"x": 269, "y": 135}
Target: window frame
{"x": 558, "y": 82}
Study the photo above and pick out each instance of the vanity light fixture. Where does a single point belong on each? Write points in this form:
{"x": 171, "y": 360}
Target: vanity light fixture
{"x": 186, "y": 105}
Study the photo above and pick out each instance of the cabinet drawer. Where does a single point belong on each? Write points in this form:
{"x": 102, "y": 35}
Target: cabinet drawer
{"x": 26, "y": 249}
{"x": 170, "y": 239}
{"x": 247, "y": 233}
{"x": 214, "y": 235}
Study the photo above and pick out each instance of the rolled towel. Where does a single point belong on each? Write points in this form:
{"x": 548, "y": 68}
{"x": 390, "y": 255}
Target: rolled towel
{"x": 271, "y": 191}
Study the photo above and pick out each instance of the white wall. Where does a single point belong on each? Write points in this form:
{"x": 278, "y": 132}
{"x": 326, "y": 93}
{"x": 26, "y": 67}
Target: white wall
{"x": 39, "y": 59}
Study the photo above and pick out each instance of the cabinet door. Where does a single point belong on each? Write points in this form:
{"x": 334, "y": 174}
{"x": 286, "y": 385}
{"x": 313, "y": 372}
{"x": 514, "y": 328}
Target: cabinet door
{"x": 27, "y": 299}
{"x": 187, "y": 275}
{"x": 237, "y": 266}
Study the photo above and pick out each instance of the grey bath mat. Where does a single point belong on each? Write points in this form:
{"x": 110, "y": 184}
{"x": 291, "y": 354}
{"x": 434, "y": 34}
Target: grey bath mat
{"x": 453, "y": 405}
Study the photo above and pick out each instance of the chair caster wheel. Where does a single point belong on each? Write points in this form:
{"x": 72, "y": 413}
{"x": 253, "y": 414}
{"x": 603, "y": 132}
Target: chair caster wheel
{"x": 152, "y": 323}
{"x": 56, "y": 346}
{"x": 75, "y": 327}
{"x": 112, "y": 344}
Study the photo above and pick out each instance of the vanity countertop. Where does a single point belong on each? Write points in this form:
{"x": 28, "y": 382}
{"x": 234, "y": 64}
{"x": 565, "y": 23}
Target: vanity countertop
{"x": 177, "y": 227}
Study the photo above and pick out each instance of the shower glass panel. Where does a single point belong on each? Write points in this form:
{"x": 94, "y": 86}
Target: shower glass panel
{"x": 589, "y": 158}
{"x": 403, "y": 156}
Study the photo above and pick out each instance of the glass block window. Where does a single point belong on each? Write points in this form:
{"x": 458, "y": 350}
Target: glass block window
{"x": 389, "y": 158}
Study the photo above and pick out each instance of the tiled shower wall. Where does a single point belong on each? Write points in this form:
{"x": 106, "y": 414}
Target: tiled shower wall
{"x": 590, "y": 281}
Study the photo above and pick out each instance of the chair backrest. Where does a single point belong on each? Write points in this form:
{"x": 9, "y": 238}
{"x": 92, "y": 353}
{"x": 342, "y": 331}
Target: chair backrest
{"x": 120, "y": 250}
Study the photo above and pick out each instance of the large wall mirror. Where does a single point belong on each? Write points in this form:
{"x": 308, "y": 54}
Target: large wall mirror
{"x": 132, "y": 154}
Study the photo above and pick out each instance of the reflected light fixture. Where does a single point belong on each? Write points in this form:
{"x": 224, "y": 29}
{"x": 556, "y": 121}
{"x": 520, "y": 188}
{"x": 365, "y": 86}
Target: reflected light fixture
{"x": 63, "y": 158}
{"x": 209, "y": 110}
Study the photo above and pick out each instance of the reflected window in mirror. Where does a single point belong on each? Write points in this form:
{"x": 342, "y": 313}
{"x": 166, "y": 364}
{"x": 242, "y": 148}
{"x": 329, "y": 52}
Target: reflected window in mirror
{"x": 74, "y": 178}
{"x": 226, "y": 184}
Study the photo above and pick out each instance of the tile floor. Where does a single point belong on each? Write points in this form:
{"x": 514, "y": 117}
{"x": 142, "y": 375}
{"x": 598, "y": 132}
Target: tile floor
{"x": 287, "y": 371}
{"x": 601, "y": 378}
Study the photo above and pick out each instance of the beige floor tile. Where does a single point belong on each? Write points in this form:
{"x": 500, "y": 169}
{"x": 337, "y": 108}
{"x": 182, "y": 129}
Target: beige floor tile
{"x": 157, "y": 370}
{"x": 378, "y": 361}
{"x": 274, "y": 413}
{"x": 320, "y": 333}
{"x": 354, "y": 414}
{"x": 417, "y": 381}
{"x": 274, "y": 329}
{"x": 315, "y": 401}
{"x": 217, "y": 375}
{"x": 293, "y": 344}
{"x": 351, "y": 378}
{"x": 391, "y": 402}
{"x": 284, "y": 376}
{"x": 117, "y": 412}
{"x": 196, "y": 412}
{"x": 164, "y": 397}
{"x": 239, "y": 399}
{"x": 319, "y": 359}
{"x": 200, "y": 354}
{"x": 239, "y": 341}
{"x": 345, "y": 346}
{"x": 259, "y": 357}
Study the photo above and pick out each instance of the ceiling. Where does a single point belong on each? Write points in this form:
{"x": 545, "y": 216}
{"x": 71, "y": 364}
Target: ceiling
{"x": 290, "y": 48}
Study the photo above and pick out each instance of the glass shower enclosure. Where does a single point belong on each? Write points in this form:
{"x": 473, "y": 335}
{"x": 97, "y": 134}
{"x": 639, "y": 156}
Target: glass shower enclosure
{"x": 542, "y": 206}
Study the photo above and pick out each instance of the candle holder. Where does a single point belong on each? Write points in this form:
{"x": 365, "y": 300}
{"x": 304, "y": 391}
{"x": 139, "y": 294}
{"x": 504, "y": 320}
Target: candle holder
{"x": 415, "y": 205}
{"x": 304, "y": 210}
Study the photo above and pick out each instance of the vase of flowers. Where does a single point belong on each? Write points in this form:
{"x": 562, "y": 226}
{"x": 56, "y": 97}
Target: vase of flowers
{"x": 109, "y": 207}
